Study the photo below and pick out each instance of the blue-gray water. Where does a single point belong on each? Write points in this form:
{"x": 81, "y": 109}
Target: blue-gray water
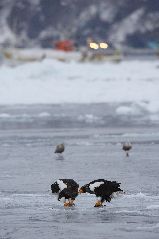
{"x": 28, "y": 166}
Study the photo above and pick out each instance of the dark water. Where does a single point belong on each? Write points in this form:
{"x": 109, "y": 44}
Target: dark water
{"x": 28, "y": 166}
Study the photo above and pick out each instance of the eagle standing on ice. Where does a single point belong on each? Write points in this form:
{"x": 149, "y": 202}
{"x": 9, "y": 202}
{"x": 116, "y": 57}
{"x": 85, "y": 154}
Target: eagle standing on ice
{"x": 103, "y": 190}
{"x": 66, "y": 189}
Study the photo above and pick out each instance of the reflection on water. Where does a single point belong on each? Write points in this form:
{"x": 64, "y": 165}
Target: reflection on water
{"x": 59, "y": 157}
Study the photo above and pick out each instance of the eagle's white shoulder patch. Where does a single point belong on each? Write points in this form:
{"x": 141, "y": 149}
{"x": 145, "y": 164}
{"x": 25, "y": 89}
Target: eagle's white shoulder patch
{"x": 61, "y": 184}
{"x": 95, "y": 185}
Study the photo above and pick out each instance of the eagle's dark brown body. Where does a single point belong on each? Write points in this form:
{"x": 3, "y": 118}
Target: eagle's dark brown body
{"x": 103, "y": 189}
{"x": 66, "y": 189}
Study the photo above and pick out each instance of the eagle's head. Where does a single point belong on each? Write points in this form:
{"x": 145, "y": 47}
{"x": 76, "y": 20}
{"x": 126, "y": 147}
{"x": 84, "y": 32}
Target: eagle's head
{"x": 83, "y": 189}
{"x": 55, "y": 188}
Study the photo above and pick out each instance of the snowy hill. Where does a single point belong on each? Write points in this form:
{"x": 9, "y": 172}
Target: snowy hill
{"x": 30, "y": 23}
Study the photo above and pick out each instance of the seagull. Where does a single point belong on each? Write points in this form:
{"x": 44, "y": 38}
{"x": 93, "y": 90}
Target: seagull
{"x": 60, "y": 148}
{"x": 126, "y": 148}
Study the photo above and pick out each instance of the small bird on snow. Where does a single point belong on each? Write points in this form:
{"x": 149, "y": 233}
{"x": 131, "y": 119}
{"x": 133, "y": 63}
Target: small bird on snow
{"x": 127, "y": 147}
{"x": 60, "y": 148}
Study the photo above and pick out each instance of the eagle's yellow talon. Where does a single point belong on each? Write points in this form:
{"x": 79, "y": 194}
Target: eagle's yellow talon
{"x": 66, "y": 204}
{"x": 98, "y": 204}
{"x": 69, "y": 204}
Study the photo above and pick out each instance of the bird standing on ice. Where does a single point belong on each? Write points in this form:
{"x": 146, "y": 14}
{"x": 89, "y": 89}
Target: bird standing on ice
{"x": 126, "y": 148}
{"x": 67, "y": 190}
{"x": 60, "y": 148}
{"x": 103, "y": 190}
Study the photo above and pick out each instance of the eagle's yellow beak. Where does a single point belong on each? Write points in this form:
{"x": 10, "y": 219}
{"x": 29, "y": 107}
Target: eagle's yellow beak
{"x": 80, "y": 191}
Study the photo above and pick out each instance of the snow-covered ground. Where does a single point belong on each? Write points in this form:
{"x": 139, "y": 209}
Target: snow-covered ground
{"x": 51, "y": 82}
